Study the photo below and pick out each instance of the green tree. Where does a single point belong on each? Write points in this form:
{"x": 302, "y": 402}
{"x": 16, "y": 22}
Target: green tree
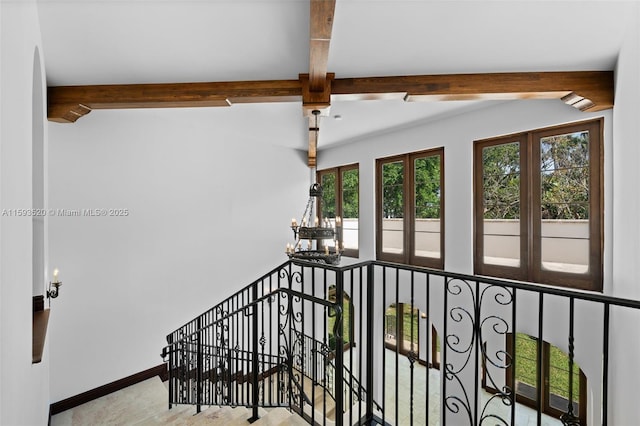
{"x": 501, "y": 181}
{"x": 564, "y": 176}
{"x": 350, "y": 204}
{"x": 392, "y": 190}
{"x": 427, "y": 187}
{"x": 328, "y": 195}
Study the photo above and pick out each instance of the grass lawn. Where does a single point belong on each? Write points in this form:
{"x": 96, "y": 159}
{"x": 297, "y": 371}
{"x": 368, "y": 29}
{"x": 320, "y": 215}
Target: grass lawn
{"x": 390, "y": 321}
{"x": 526, "y": 367}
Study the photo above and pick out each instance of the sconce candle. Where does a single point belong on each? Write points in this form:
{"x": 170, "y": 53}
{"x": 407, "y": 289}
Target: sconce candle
{"x": 54, "y": 286}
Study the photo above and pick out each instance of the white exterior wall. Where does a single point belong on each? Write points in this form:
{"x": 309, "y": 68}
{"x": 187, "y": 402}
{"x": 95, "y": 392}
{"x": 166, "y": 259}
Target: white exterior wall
{"x": 208, "y": 212}
{"x": 24, "y": 387}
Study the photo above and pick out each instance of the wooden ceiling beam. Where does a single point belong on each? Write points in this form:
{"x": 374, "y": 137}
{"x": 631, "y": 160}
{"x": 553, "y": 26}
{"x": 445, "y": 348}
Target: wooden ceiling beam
{"x": 320, "y": 27}
{"x": 585, "y": 90}
{"x": 67, "y": 103}
{"x": 312, "y": 153}
{"x": 316, "y": 86}
{"x": 316, "y": 100}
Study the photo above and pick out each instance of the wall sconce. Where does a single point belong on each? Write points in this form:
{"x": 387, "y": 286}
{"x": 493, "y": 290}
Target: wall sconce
{"x": 54, "y": 286}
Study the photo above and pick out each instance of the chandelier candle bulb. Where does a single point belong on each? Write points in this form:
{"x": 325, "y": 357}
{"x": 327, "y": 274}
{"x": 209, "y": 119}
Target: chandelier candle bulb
{"x": 323, "y": 230}
{"x": 55, "y": 275}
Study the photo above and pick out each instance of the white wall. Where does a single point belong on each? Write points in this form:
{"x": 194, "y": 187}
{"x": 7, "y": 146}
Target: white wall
{"x": 129, "y": 281}
{"x": 457, "y": 134}
{"x": 626, "y": 227}
{"x": 209, "y": 212}
{"x": 24, "y": 387}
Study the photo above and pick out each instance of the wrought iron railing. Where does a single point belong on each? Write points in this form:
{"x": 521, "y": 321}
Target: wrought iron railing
{"x": 318, "y": 360}
{"x": 269, "y": 345}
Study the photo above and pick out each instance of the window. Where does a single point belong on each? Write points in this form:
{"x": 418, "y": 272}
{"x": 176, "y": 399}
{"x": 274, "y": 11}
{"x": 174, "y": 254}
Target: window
{"x": 340, "y": 187}
{"x": 410, "y": 206}
{"x": 538, "y": 206}
{"x": 554, "y": 378}
{"x": 402, "y": 332}
{"x": 401, "y": 328}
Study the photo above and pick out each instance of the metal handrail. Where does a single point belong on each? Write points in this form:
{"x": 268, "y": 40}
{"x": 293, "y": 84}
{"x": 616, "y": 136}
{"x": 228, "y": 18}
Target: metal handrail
{"x": 264, "y": 298}
{"x": 537, "y": 287}
{"x": 245, "y": 303}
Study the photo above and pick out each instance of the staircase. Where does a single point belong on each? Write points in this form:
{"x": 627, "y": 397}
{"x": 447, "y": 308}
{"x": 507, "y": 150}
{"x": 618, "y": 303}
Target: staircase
{"x": 145, "y": 404}
{"x": 267, "y": 347}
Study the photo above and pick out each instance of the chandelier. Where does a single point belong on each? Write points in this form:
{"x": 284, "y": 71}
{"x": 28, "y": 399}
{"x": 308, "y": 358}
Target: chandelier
{"x": 310, "y": 241}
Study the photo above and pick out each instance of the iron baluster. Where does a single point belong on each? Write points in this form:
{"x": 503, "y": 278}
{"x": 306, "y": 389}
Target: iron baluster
{"x": 539, "y": 360}
{"x": 199, "y": 367}
{"x": 514, "y": 330}
{"x": 605, "y": 366}
{"x": 339, "y": 351}
{"x": 568, "y": 418}
{"x": 254, "y": 356}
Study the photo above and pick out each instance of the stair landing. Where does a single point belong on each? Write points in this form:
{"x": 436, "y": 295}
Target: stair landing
{"x": 145, "y": 404}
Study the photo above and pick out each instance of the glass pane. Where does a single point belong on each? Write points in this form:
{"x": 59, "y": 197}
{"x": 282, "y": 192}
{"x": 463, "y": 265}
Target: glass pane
{"x": 392, "y": 207}
{"x": 350, "y": 208}
{"x": 559, "y": 381}
{"x": 328, "y": 182}
{"x": 564, "y": 202}
{"x": 526, "y": 366}
{"x": 407, "y": 328}
{"x": 501, "y": 195}
{"x": 390, "y": 325}
{"x": 410, "y": 328}
{"x": 427, "y": 206}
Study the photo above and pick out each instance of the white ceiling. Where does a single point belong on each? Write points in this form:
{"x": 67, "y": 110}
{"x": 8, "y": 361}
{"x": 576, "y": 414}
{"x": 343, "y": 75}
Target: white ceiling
{"x": 153, "y": 41}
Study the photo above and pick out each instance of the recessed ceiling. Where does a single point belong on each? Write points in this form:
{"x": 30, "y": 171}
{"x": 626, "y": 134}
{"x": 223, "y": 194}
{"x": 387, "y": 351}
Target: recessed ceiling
{"x": 153, "y": 41}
